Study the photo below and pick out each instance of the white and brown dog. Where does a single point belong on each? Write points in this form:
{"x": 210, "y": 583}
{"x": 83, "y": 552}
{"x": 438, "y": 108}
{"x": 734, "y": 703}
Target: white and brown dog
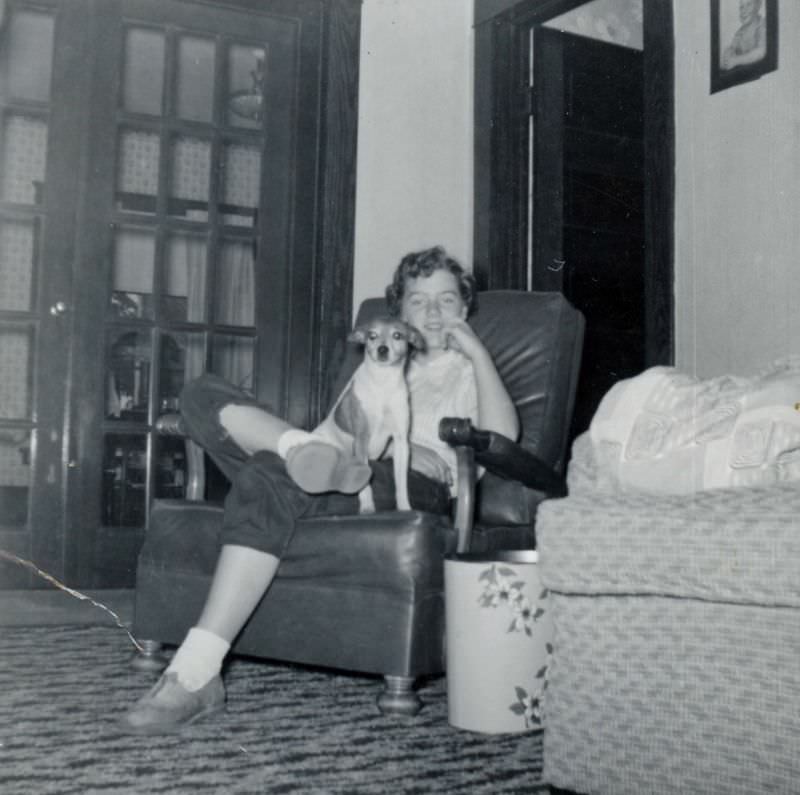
{"x": 373, "y": 410}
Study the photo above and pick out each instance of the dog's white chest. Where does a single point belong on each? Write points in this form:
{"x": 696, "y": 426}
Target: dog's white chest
{"x": 385, "y": 405}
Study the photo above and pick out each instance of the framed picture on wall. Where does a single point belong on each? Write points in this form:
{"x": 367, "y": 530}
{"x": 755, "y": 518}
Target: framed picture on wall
{"x": 744, "y": 41}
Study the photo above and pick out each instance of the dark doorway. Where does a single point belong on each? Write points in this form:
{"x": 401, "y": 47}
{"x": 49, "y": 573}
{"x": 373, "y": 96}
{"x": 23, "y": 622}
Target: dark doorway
{"x": 587, "y": 208}
{"x": 574, "y": 179}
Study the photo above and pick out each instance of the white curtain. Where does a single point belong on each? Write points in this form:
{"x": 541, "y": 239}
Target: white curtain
{"x": 195, "y": 304}
{"x": 234, "y": 302}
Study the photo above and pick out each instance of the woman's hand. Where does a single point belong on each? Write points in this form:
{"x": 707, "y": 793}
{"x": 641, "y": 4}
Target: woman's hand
{"x": 461, "y": 338}
{"x": 496, "y": 412}
{"x": 429, "y": 462}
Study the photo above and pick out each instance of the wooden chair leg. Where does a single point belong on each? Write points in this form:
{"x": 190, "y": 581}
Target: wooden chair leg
{"x": 399, "y": 696}
{"x": 150, "y": 658}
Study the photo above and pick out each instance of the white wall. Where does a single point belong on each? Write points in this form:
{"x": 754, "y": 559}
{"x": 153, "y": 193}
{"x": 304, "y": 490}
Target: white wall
{"x": 414, "y": 180}
{"x": 737, "y": 219}
{"x": 737, "y": 216}
{"x": 615, "y": 21}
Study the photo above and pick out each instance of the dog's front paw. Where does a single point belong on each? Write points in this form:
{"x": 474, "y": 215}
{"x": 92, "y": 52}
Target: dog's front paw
{"x": 366, "y": 504}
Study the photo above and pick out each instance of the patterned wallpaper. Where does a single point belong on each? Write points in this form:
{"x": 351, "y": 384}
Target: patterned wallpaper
{"x": 615, "y": 21}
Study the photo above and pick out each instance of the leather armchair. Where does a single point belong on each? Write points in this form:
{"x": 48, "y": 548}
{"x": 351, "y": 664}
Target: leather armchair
{"x": 366, "y": 592}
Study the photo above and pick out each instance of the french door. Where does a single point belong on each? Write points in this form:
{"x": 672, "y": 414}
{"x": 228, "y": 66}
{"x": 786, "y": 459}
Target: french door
{"x": 39, "y": 149}
{"x": 151, "y": 152}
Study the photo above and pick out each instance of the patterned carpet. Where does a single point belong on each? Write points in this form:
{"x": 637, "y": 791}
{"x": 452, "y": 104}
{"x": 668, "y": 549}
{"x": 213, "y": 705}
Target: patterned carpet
{"x": 286, "y": 730}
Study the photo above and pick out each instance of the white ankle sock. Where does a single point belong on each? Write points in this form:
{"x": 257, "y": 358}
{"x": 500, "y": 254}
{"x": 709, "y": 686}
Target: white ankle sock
{"x": 199, "y": 658}
{"x": 291, "y": 438}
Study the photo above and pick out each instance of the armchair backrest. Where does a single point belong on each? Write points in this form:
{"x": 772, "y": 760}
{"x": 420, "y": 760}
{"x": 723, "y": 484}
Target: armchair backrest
{"x": 536, "y": 339}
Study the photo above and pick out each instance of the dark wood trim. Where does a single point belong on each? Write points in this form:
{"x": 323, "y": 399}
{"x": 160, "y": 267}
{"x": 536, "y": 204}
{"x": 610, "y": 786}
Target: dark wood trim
{"x": 336, "y": 242}
{"x": 49, "y": 523}
{"x": 92, "y": 275}
{"x": 482, "y": 167}
{"x": 486, "y": 10}
{"x": 659, "y": 163}
{"x": 548, "y": 186}
{"x": 286, "y": 258}
{"x": 501, "y": 138}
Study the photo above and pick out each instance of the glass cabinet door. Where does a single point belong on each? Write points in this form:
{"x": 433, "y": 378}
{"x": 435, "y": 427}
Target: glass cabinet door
{"x": 145, "y": 195}
{"x": 35, "y": 294}
{"x": 190, "y": 132}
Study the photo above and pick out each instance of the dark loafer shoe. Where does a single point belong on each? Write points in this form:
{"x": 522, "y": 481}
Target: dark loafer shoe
{"x": 169, "y": 706}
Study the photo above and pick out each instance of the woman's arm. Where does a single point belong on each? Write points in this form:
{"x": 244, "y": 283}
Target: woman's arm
{"x": 496, "y": 411}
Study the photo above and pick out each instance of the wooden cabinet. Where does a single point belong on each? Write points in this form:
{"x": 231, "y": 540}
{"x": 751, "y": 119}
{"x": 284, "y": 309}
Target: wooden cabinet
{"x": 166, "y": 208}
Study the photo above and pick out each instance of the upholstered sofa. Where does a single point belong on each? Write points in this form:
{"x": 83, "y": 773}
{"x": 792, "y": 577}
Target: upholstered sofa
{"x": 676, "y": 652}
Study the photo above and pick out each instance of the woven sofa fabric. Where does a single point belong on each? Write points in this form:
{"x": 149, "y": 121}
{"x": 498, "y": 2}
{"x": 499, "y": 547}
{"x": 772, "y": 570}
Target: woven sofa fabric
{"x": 664, "y": 696}
{"x": 731, "y": 545}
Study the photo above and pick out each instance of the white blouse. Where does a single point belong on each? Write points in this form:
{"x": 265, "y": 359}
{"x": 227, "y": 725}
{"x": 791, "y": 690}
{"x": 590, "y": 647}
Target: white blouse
{"x": 442, "y": 387}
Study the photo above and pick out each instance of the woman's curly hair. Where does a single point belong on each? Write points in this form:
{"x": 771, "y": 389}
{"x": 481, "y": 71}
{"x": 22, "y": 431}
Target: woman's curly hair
{"x": 424, "y": 263}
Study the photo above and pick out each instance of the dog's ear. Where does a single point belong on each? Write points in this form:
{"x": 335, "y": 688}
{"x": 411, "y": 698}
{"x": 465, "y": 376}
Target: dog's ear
{"x": 415, "y": 339}
{"x": 358, "y": 335}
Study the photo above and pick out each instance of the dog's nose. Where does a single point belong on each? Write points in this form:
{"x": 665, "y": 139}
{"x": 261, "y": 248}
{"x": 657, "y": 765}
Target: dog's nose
{"x": 383, "y": 351}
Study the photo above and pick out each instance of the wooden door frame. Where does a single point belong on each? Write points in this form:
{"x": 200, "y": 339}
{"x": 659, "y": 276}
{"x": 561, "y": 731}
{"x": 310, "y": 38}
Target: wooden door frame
{"x": 500, "y": 223}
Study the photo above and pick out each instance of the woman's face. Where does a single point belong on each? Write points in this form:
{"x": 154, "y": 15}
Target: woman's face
{"x": 429, "y": 302}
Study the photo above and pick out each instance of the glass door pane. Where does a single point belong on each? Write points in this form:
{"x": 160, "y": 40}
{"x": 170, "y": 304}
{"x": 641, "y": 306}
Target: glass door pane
{"x": 29, "y": 56}
{"x": 18, "y": 245}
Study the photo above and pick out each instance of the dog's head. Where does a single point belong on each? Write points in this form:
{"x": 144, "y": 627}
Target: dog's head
{"x": 387, "y": 341}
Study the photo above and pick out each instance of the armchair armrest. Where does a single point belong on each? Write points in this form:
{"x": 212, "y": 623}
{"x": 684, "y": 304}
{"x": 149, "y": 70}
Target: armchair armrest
{"x": 498, "y": 454}
{"x": 172, "y": 425}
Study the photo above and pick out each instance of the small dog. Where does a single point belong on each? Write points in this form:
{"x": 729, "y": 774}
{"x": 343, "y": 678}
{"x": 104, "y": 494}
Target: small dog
{"x": 374, "y": 407}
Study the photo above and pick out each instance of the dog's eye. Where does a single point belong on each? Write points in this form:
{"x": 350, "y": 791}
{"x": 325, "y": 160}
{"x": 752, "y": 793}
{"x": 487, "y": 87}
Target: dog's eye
{"x": 373, "y": 335}
{"x": 398, "y": 336}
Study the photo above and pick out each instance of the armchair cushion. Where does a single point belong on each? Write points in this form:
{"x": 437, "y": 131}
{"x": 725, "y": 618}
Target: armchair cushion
{"x": 350, "y": 551}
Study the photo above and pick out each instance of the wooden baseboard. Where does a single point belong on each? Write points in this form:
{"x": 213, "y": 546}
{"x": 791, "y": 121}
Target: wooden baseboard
{"x": 48, "y": 607}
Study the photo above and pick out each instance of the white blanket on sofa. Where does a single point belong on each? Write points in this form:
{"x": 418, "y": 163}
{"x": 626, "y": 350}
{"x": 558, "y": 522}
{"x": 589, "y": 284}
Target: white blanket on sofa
{"x": 667, "y": 432}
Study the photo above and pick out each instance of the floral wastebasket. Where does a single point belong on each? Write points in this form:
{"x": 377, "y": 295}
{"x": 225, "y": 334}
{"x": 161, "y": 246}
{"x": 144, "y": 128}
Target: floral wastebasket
{"x": 499, "y": 631}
